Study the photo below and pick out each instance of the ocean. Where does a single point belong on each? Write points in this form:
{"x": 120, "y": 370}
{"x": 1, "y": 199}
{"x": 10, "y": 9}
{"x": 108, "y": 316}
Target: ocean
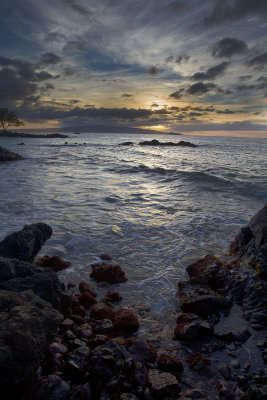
{"x": 153, "y": 209}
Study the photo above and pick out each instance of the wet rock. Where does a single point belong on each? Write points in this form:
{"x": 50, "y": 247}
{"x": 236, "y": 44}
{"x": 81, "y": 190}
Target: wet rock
{"x": 52, "y": 387}
{"x": 76, "y": 308}
{"x": 235, "y": 363}
{"x": 57, "y": 348}
{"x": 155, "y": 142}
{"x": 84, "y": 287}
{"x": 256, "y": 392}
{"x": 127, "y": 144}
{"x": 67, "y": 324}
{"x": 201, "y": 300}
{"x": 140, "y": 350}
{"x": 163, "y": 384}
{"x": 105, "y": 257}
{"x": 84, "y": 331}
{"x": 125, "y": 321}
{"x": 97, "y": 340}
{"x": 254, "y": 304}
{"x": 77, "y": 359}
{"x": 25, "y": 244}
{"x": 106, "y": 361}
{"x": 102, "y": 311}
{"x": 227, "y": 390}
{"x": 224, "y": 370}
{"x": 193, "y": 394}
{"x": 87, "y": 300}
{"x": 128, "y": 396}
{"x": 27, "y": 326}
{"x": 7, "y": 155}
{"x": 197, "y": 361}
{"x": 70, "y": 285}
{"x": 112, "y": 297}
{"x": 53, "y": 262}
{"x": 208, "y": 267}
{"x": 169, "y": 364}
{"x": 240, "y": 334}
{"x": 191, "y": 327}
{"x": 103, "y": 326}
{"x": 108, "y": 273}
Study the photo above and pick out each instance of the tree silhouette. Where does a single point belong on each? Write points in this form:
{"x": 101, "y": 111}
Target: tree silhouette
{"x": 8, "y": 118}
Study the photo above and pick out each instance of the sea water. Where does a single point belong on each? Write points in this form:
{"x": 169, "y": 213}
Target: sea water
{"x": 153, "y": 209}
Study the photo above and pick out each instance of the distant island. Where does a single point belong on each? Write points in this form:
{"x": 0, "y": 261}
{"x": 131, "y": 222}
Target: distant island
{"x": 32, "y": 135}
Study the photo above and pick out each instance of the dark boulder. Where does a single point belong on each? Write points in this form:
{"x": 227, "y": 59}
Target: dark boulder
{"x": 163, "y": 384}
{"x": 53, "y": 262}
{"x": 155, "y": 142}
{"x": 52, "y": 387}
{"x": 7, "y": 155}
{"x": 25, "y": 244}
{"x": 27, "y": 326}
{"x": 103, "y": 272}
{"x": 127, "y": 144}
{"x": 191, "y": 327}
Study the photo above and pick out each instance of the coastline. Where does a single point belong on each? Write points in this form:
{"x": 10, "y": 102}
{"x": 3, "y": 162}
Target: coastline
{"x": 90, "y": 329}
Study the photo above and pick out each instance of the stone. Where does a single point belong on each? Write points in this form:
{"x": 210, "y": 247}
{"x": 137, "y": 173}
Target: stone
{"x": 106, "y": 361}
{"x": 191, "y": 327}
{"x": 128, "y": 396}
{"x": 97, "y": 340}
{"x": 105, "y": 257}
{"x": 169, "y": 364}
{"x": 224, "y": 370}
{"x": 102, "y": 272}
{"x": 87, "y": 300}
{"x": 53, "y": 262}
{"x": 112, "y": 297}
{"x": 26, "y": 243}
{"x": 102, "y": 311}
{"x": 103, "y": 326}
{"x": 27, "y": 326}
{"x": 201, "y": 300}
{"x": 77, "y": 359}
{"x": 209, "y": 267}
{"x": 256, "y": 392}
{"x": 125, "y": 321}
{"x": 7, "y": 155}
{"x": 57, "y": 348}
{"x": 67, "y": 324}
{"x": 227, "y": 390}
{"x": 240, "y": 334}
{"x": 193, "y": 394}
{"x": 163, "y": 384}
{"x": 140, "y": 350}
{"x": 235, "y": 363}
{"x": 84, "y": 331}
{"x": 155, "y": 142}
{"x": 52, "y": 387}
{"x": 84, "y": 287}
{"x": 197, "y": 361}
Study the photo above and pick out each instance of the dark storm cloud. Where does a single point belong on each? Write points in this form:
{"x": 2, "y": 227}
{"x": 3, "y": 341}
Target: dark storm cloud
{"x": 211, "y": 73}
{"x": 49, "y": 59}
{"x": 258, "y": 62}
{"x": 225, "y": 111}
{"x": 153, "y": 70}
{"x": 69, "y": 71}
{"x": 228, "y": 47}
{"x": 14, "y": 87}
{"x": 178, "y": 94}
{"x": 177, "y": 60}
{"x": 232, "y": 10}
{"x": 75, "y": 45}
{"x": 245, "y": 77}
{"x": 80, "y": 9}
{"x": 201, "y": 88}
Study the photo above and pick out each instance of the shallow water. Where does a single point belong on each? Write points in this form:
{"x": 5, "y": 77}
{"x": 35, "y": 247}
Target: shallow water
{"x": 153, "y": 209}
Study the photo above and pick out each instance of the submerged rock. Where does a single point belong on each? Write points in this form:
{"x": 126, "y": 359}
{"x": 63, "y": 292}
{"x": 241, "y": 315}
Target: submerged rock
{"x": 125, "y": 321}
{"x": 155, "y": 142}
{"x": 227, "y": 390}
{"x": 53, "y": 262}
{"x": 25, "y": 244}
{"x": 102, "y": 272}
{"x": 7, "y": 155}
{"x": 163, "y": 384}
{"x": 191, "y": 327}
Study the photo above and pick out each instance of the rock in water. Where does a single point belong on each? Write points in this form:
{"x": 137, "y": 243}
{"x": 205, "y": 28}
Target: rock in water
{"x": 163, "y": 385}
{"x": 27, "y": 326}
{"x": 7, "y": 155}
{"x": 25, "y": 244}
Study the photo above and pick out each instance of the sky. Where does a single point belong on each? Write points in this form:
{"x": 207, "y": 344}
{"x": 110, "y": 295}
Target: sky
{"x": 189, "y": 66}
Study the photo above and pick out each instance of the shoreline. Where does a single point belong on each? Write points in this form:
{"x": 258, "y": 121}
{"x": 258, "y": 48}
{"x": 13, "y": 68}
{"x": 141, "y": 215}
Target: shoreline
{"x": 215, "y": 292}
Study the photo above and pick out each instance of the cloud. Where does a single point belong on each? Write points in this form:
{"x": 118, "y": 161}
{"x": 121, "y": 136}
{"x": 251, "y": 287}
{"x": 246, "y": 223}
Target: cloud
{"x": 80, "y": 9}
{"x": 201, "y": 88}
{"x": 75, "y": 45}
{"x": 177, "y": 60}
{"x": 153, "y": 70}
{"x": 178, "y": 94}
{"x": 211, "y": 73}
{"x": 258, "y": 62}
{"x": 233, "y": 10}
{"x": 49, "y": 59}
{"x": 245, "y": 77}
{"x": 127, "y": 95}
{"x": 14, "y": 87}
{"x": 69, "y": 71}
{"x": 228, "y": 47}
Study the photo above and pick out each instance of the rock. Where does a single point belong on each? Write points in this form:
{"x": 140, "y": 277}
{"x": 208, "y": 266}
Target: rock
{"x": 25, "y": 244}
{"x": 106, "y": 361}
{"x": 128, "y": 396}
{"x": 191, "y": 327}
{"x": 224, "y": 370}
{"x": 84, "y": 331}
{"x": 127, "y": 144}
{"x": 102, "y": 311}
{"x": 125, "y": 321}
{"x": 77, "y": 360}
{"x": 254, "y": 304}
{"x": 57, "y": 348}
{"x": 197, "y": 361}
{"x": 193, "y": 394}
{"x": 7, "y": 155}
{"x": 140, "y": 350}
{"x": 97, "y": 340}
{"x": 155, "y": 142}
{"x": 235, "y": 363}
{"x": 112, "y": 297}
{"x": 86, "y": 299}
{"x": 256, "y": 392}
{"x": 70, "y": 285}
{"x": 105, "y": 257}
{"x": 251, "y": 242}
{"x": 201, "y": 300}
{"x": 169, "y": 364}
{"x": 102, "y": 272}
{"x": 53, "y": 262}
{"x": 27, "y": 326}
{"x": 18, "y": 276}
{"x": 240, "y": 334}
{"x": 227, "y": 390}
{"x": 52, "y": 387}
{"x": 163, "y": 384}
{"x": 103, "y": 326}
{"x": 84, "y": 287}
{"x": 67, "y": 324}
{"x": 209, "y": 267}
{"x": 186, "y": 144}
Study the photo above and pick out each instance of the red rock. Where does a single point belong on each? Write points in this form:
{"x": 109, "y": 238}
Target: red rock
{"x": 86, "y": 299}
{"x": 77, "y": 310}
{"x": 169, "y": 364}
{"x": 105, "y": 257}
{"x": 102, "y": 272}
{"x": 70, "y": 285}
{"x": 126, "y": 321}
{"x": 197, "y": 361}
{"x": 191, "y": 327}
{"x": 54, "y": 262}
{"x": 112, "y": 296}
{"x": 84, "y": 287}
{"x": 102, "y": 311}
{"x": 209, "y": 269}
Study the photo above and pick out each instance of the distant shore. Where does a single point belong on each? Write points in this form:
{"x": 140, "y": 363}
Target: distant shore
{"x": 31, "y": 135}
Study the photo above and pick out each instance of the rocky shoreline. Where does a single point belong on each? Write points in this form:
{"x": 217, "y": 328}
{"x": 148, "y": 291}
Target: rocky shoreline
{"x": 66, "y": 343}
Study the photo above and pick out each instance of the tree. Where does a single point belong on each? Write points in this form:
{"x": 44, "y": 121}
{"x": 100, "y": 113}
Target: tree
{"x": 8, "y": 118}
